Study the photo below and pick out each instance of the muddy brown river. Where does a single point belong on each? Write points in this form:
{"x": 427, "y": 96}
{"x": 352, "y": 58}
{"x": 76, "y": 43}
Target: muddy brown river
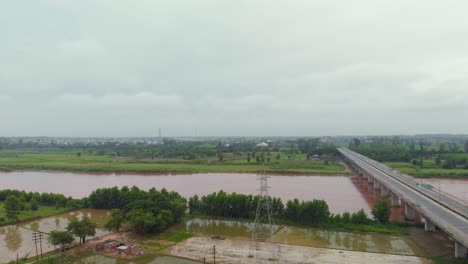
{"x": 341, "y": 192}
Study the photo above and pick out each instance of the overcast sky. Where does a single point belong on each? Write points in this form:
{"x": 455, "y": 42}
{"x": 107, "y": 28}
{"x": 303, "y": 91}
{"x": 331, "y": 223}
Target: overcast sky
{"x": 232, "y": 68}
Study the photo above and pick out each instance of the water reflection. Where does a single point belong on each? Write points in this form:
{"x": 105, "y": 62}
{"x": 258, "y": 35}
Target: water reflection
{"x": 34, "y": 226}
{"x": 18, "y": 238}
{"x": 13, "y": 238}
{"x": 314, "y": 237}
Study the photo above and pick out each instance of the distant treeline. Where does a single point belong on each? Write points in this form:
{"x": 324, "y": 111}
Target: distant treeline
{"x": 397, "y": 150}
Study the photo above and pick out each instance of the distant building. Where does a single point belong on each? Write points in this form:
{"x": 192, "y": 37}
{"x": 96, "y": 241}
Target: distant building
{"x": 263, "y": 144}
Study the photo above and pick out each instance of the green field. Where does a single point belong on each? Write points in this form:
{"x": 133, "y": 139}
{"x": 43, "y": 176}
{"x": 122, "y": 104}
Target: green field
{"x": 429, "y": 169}
{"x": 43, "y": 211}
{"x": 66, "y": 161}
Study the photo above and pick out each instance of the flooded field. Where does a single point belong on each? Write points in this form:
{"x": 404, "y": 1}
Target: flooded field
{"x": 313, "y": 237}
{"x": 18, "y": 238}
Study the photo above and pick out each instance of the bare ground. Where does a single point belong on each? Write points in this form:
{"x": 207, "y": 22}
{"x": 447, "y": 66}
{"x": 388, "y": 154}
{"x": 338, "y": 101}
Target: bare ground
{"x": 241, "y": 251}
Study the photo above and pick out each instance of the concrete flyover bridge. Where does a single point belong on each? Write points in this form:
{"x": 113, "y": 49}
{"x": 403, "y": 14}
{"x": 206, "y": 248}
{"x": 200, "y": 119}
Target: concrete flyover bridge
{"x": 437, "y": 208}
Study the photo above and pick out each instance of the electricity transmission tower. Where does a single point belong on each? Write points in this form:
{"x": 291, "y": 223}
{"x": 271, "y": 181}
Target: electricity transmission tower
{"x": 263, "y": 225}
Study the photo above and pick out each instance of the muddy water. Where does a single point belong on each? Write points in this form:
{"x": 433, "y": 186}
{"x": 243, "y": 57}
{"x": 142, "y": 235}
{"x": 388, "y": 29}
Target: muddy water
{"x": 314, "y": 237}
{"x": 340, "y": 192}
{"x": 18, "y": 238}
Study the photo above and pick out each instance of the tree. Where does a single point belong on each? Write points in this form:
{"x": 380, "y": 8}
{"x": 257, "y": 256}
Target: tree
{"x": 382, "y": 210}
{"x": 220, "y": 156}
{"x": 13, "y": 207}
{"x": 360, "y": 217}
{"x": 248, "y": 157}
{"x": 466, "y": 146}
{"x": 278, "y": 156}
{"x": 82, "y": 228}
{"x": 34, "y": 204}
{"x": 141, "y": 222}
{"x": 60, "y": 238}
{"x": 355, "y": 142}
{"x": 116, "y": 220}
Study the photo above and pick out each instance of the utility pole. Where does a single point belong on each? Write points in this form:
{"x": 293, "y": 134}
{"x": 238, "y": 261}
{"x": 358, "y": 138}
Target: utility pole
{"x": 214, "y": 254}
{"x": 38, "y": 237}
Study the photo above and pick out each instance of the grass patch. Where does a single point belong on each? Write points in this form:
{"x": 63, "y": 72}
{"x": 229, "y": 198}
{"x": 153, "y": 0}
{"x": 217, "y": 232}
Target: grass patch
{"x": 64, "y": 161}
{"x": 429, "y": 169}
{"x": 43, "y": 211}
{"x": 439, "y": 260}
{"x": 154, "y": 245}
{"x": 175, "y": 236}
{"x": 390, "y": 228}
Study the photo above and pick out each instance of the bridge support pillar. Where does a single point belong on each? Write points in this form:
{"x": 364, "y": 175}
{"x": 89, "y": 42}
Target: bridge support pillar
{"x": 384, "y": 191}
{"x": 376, "y": 184}
{"x": 395, "y": 200}
{"x": 428, "y": 225}
{"x": 370, "y": 179}
{"x": 409, "y": 212}
{"x": 460, "y": 250}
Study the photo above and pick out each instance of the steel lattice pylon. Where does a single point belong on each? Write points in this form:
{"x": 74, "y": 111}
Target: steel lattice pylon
{"x": 263, "y": 225}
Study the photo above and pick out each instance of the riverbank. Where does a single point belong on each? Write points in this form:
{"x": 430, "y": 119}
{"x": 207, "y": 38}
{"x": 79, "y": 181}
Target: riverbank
{"x": 297, "y": 164}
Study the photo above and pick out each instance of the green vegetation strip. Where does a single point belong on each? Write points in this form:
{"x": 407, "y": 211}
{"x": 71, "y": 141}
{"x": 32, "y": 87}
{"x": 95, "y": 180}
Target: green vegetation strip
{"x": 111, "y": 164}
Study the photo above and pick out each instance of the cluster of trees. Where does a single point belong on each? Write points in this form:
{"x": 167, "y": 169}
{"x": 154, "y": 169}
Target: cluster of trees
{"x": 311, "y": 213}
{"x": 16, "y": 201}
{"x": 395, "y": 149}
{"x": 358, "y": 218}
{"x": 314, "y": 146}
{"x": 230, "y": 205}
{"x": 384, "y": 152}
{"x": 79, "y": 228}
{"x": 144, "y": 211}
{"x": 262, "y": 157}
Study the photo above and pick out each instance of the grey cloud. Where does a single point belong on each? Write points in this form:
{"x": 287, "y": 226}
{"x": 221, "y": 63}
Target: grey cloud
{"x": 232, "y": 68}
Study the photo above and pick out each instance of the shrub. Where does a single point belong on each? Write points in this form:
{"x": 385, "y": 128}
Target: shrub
{"x": 382, "y": 210}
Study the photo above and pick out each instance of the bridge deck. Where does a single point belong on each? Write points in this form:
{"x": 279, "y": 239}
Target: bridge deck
{"x": 446, "y": 218}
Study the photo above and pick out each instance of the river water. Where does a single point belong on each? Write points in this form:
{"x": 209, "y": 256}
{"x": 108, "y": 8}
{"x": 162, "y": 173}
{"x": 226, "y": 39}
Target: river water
{"x": 340, "y": 192}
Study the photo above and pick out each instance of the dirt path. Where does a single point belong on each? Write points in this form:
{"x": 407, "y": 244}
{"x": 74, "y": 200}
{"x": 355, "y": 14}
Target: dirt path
{"x": 347, "y": 169}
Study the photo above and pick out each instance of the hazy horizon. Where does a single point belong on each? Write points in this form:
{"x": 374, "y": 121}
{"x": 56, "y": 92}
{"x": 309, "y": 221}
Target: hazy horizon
{"x": 245, "y": 68}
